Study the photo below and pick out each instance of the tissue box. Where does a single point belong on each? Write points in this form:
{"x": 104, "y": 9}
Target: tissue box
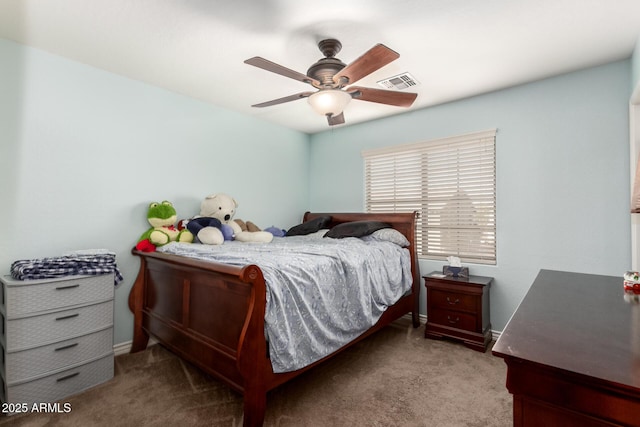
{"x": 449, "y": 271}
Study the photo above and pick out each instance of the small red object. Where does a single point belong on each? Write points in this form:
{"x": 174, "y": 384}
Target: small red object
{"x": 145, "y": 246}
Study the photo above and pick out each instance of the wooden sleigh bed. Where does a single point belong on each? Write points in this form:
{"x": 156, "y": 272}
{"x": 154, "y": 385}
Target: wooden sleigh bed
{"x": 212, "y": 314}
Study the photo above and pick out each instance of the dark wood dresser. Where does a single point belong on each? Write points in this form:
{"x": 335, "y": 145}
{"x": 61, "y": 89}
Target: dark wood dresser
{"x": 458, "y": 308}
{"x": 572, "y": 350}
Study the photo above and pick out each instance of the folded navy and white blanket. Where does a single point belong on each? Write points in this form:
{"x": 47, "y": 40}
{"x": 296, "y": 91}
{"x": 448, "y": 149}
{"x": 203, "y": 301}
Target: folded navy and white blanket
{"x": 86, "y": 262}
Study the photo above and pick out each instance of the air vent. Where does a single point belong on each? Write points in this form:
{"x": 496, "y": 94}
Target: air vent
{"x": 401, "y": 81}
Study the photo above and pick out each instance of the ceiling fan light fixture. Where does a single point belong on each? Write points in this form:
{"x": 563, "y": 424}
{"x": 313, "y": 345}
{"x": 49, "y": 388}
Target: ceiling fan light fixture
{"x": 330, "y": 76}
{"x": 329, "y": 102}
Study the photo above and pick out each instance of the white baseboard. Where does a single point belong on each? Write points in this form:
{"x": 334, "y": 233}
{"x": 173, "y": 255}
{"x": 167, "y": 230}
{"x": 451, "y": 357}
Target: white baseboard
{"x": 122, "y": 348}
{"x": 125, "y": 347}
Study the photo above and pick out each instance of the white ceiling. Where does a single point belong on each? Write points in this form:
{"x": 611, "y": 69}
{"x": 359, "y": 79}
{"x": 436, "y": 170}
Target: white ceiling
{"x": 454, "y": 48}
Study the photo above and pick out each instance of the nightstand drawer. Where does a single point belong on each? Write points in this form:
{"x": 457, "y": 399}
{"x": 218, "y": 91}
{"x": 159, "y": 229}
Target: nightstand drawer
{"x": 34, "y": 331}
{"x": 454, "y": 319}
{"x": 27, "y": 297}
{"x": 449, "y": 300}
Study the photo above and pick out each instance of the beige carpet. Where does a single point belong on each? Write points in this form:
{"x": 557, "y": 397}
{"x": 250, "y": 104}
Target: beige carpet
{"x": 394, "y": 378}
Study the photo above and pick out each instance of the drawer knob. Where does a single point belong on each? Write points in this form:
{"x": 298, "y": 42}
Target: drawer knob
{"x": 454, "y": 302}
{"x": 453, "y": 321}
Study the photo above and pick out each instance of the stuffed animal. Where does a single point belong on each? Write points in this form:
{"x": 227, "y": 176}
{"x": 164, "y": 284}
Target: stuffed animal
{"x": 223, "y": 207}
{"x": 162, "y": 217}
{"x": 208, "y": 230}
{"x": 277, "y": 232}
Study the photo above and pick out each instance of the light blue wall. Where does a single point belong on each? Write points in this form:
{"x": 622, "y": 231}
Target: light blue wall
{"x": 83, "y": 152}
{"x": 562, "y": 173}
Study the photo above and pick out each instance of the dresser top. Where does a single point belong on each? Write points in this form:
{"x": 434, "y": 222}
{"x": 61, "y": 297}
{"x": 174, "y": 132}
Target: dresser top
{"x": 579, "y": 323}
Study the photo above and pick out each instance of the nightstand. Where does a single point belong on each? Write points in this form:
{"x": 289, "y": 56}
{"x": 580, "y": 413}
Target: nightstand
{"x": 458, "y": 308}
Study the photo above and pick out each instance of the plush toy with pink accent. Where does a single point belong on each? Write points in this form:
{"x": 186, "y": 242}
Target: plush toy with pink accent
{"x": 162, "y": 217}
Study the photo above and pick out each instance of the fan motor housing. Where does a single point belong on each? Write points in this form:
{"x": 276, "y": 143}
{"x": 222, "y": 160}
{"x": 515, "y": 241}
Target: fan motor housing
{"x": 325, "y": 69}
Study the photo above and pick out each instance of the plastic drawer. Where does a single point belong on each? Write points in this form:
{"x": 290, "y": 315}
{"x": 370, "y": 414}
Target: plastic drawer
{"x": 63, "y": 384}
{"x": 21, "y": 366}
{"x": 35, "y": 331}
{"x": 26, "y": 297}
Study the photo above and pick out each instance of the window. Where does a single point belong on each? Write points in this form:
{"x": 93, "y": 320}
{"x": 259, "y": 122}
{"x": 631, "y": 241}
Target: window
{"x": 451, "y": 182}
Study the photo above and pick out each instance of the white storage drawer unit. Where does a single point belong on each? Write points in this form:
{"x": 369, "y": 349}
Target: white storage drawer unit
{"x": 56, "y": 337}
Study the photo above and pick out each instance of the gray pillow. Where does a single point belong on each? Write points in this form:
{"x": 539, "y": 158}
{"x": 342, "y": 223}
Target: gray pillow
{"x": 387, "y": 235}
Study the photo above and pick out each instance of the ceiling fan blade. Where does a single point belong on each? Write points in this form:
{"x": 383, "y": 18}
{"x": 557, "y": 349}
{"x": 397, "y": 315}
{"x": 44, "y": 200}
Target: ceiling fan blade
{"x": 389, "y": 97}
{"x": 335, "y": 120}
{"x": 283, "y": 100}
{"x": 265, "y": 64}
{"x": 375, "y": 58}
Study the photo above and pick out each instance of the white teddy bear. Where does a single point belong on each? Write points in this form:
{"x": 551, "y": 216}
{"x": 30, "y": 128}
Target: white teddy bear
{"x": 223, "y": 207}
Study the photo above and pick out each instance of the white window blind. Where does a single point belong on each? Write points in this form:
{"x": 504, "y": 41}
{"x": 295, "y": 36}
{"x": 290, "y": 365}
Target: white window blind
{"x": 451, "y": 182}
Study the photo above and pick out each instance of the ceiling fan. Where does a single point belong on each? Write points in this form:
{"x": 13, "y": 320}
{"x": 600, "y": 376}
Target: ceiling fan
{"x": 332, "y": 78}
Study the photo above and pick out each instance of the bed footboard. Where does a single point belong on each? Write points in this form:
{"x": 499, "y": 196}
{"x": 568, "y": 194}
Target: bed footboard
{"x": 210, "y": 314}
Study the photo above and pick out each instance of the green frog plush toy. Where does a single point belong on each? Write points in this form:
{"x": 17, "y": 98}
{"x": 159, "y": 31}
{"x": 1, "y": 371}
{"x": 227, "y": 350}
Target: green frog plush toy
{"x": 162, "y": 217}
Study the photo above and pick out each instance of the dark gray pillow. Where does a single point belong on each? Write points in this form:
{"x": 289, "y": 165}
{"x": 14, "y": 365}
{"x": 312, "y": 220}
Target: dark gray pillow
{"x": 310, "y": 226}
{"x": 356, "y": 229}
